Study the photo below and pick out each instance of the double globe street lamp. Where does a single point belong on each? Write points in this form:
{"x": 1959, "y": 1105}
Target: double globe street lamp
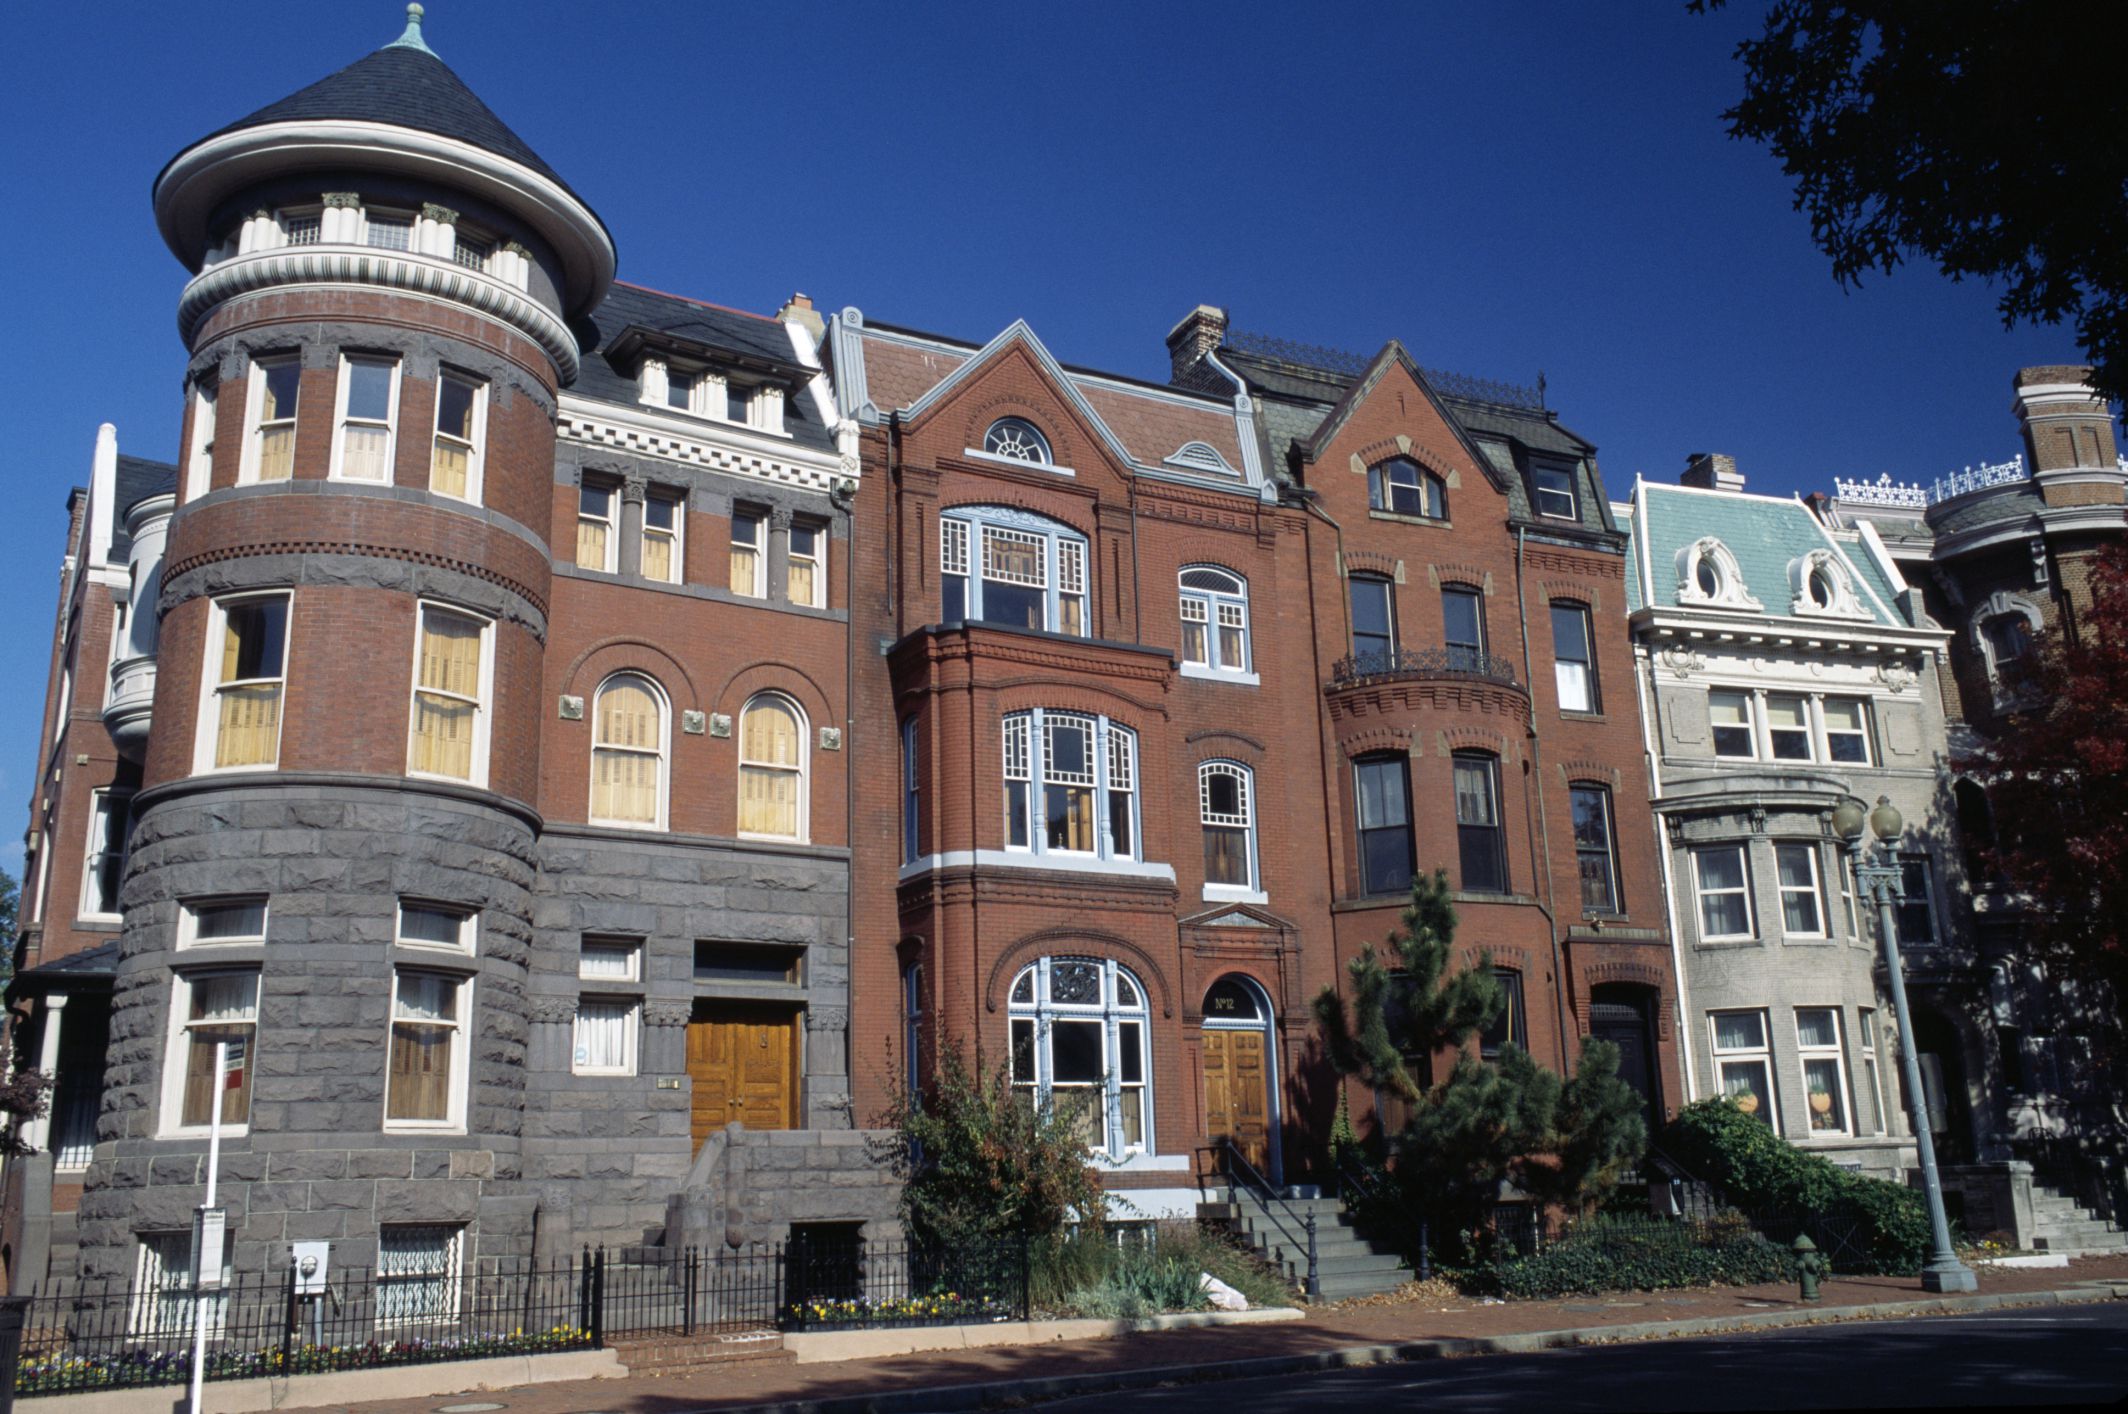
{"x": 1880, "y": 877}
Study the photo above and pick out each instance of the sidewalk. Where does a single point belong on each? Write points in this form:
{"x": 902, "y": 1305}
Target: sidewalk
{"x": 1183, "y": 1354}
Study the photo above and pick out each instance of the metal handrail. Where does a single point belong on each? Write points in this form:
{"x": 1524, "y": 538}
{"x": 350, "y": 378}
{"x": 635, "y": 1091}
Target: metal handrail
{"x": 1373, "y": 1190}
{"x": 1259, "y": 1188}
{"x": 1423, "y": 663}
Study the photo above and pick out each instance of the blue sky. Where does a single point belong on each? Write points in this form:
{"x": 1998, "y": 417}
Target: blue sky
{"x": 1507, "y": 188}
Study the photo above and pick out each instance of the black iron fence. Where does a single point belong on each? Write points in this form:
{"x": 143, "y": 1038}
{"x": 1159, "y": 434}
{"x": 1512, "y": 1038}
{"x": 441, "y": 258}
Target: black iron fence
{"x": 119, "y": 1335}
{"x": 1423, "y": 663}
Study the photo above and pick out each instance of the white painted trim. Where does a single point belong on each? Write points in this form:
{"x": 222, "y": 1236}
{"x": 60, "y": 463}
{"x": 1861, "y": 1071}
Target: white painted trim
{"x": 483, "y": 707}
{"x": 1151, "y": 1204}
{"x": 1020, "y": 859}
{"x": 1204, "y": 674}
{"x": 336, "y": 469}
{"x": 730, "y": 449}
{"x": 461, "y": 1058}
{"x": 207, "y": 727}
{"x": 1138, "y": 1161}
{"x": 1235, "y": 893}
{"x": 978, "y": 454}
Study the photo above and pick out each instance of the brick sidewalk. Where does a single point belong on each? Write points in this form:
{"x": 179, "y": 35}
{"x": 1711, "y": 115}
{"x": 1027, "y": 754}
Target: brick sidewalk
{"x": 1380, "y": 1321}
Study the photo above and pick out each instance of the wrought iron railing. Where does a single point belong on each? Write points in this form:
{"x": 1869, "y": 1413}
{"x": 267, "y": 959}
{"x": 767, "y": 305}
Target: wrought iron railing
{"x": 1423, "y": 663}
{"x": 1912, "y": 496}
{"x": 1293, "y": 1230}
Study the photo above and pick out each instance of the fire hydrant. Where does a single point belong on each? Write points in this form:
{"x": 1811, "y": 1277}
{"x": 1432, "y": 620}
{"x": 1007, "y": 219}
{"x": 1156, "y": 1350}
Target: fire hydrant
{"x": 1809, "y": 1265}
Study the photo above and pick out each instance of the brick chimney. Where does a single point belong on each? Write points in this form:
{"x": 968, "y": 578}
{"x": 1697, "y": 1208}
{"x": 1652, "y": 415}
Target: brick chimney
{"x": 798, "y": 309}
{"x": 1712, "y": 471}
{"x": 2067, "y": 425}
{"x": 1199, "y": 333}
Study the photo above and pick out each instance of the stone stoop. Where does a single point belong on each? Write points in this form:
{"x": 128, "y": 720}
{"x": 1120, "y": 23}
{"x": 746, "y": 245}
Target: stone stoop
{"x": 677, "y": 1354}
{"x": 2061, "y": 1224}
{"x": 1346, "y": 1264}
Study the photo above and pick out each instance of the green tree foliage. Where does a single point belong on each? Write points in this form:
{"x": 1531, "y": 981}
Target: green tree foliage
{"x": 1564, "y": 1141}
{"x": 1989, "y": 136}
{"x": 979, "y": 1164}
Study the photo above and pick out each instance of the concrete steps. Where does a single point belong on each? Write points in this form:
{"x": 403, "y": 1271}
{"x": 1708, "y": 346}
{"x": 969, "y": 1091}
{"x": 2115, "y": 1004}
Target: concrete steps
{"x": 1346, "y": 1264}
{"x": 2061, "y": 1224}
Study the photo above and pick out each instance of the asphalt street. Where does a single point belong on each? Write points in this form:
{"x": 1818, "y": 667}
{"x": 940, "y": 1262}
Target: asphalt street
{"x": 2035, "y": 1356}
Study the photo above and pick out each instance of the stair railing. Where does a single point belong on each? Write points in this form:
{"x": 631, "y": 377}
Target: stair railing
{"x": 1297, "y": 1229}
{"x": 1378, "y": 1194}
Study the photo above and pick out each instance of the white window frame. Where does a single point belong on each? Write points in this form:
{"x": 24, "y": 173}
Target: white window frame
{"x": 476, "y": 449}
{"x": 374, "y": 222}
{"x": 631, "y": 1008}
{"x": 758, "y": 545}
{"x": 1750, "y": 723}
{"x": 1804, "y": 728}
{"x": 803, "y": 770}
{"x": 818, "y": 559}
{"x": 1213, "y": 610}
{"x": 343, "y": 423}
{"x": 662, "y": 751}
{"x": 1564, "y": 667}
{"x": 177, "y": 1049}
{"x": 188, "y": 918}
{"x": 1064, "y": 552}
{"x": 1113, "y": 1014}
{"x": 400, "y": 1273}
{"x": 165, "y": 1302}
{"x": 1251, "y": 888}
{"x": 677, "y": 533}
{"x": 1539, "y": 491}
{"x": 611, "y": 520}
{"x": 1760, "y": 1055}
{"x": 1026, "y": 434}
{"x": 912, "y": 799}
{"x": 1700, "y": 892}
{"x": 1826, "y": 731}
{"x": 1836, "y": 1053}
{"x": 101, "y": 804}
{"x": 478, "y": 776}
{"x": 1866, "y": 1044}
{"x": 629, "y": 951}
{"x": 1815, "y": 889}
{"x": 468, "y": 927}
{"x": 207, "y": 736}
{"x": 454, "y": 1121}
{"x": 255, "y": 429}
{"x": 199, "y": 455}
{"x": 1026, "y": 733}
{"x": 1848, "y": 891}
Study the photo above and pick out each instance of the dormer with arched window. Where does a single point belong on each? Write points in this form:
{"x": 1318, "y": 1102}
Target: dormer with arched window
{"x": 1708, "y": 576}
{"x": 1820, "y": 585}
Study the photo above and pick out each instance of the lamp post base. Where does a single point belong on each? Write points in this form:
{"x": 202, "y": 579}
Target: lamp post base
{"x": 1953, "y": 1275}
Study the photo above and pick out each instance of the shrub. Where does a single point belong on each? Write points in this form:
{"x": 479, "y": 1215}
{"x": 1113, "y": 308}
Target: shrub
{"x": 1125, "y": 1273}
{"x": 1638, "y": 1254}
{"x": 1759, "y": 1171}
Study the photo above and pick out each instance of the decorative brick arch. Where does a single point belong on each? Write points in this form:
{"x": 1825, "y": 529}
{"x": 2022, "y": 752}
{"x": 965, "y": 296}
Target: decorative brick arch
{"x": 601, "y": 660}
{"x": 1374, "y": 739}
{"x": 1573, "y": 772}
{"x": 1475, "y": 739}
{"x": 1059, "y": 942}
{"x": 1576, "y": 591}
{"x": 1373, "y": 562}
{"x": 1476, "y": 576}
{"x": 745, "y": 682}
{"x": 1215, "y": 744}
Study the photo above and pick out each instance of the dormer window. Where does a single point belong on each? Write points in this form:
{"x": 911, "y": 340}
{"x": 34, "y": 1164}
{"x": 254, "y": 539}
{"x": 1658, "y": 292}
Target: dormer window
{"x": 1822, "y": 584}
{"x": 302, "y": 227}
{"x": 470, "y": 250}
{"x": 1402, "y": 487}
{"x": 1017, "y": 439}
{"x": 680, "y": 390}
{"x": 388, "y": 230}
{"x": 1554, "y": 483}
{"x": 1708, "y": 576}
{"x": 739, "y": 404}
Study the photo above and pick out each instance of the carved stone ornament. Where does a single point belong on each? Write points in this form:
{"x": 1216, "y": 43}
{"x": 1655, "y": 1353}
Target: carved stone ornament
{"x": 720, "y": 724}
{"x": 1758, "y": 819}
{"x": 694, "y": 723}
{"x": 667, "y": 1013}
{"x": 554, "y": 1011}
{"x": 633, "y": 490}
{"x": 1683, "y": 661}
{"x": 1896, "y": 677}
{"x": 831, "y": 738}
{"x": 441, "y": 215}
{"x": 827, "y": 1018}
{"x": 343, "y": 200}
{"x": 572, "y": 708}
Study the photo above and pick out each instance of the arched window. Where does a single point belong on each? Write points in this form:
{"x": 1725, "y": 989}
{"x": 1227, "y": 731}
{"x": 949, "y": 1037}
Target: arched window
{"x": 628, "y": 753}
{"x": 1017, "y": 439}
{"x": 1070, "y": 785}
{"x": 1002, "y": 566}
{"x": 1079, "y": 1048}
{"x": 1227, "y": 808}
{"x": 772, "y": 793}
{"x": 2004, "y": 631}
{"x": 1709, "y": 576}
{"x": 1403, "y": 486}
{"x": 1821, "y": 583}
{"x": 1215, "y": 620}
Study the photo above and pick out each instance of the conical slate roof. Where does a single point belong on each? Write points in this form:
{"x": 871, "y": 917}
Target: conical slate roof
{"x": 406, "y": 85}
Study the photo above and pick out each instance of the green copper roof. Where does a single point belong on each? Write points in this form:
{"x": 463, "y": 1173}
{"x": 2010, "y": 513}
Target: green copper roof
{"x": 1765, "y": 534}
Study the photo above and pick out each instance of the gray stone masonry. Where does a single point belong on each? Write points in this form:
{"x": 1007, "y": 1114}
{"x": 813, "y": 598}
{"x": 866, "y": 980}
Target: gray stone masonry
{"x": 749, "y": 1186}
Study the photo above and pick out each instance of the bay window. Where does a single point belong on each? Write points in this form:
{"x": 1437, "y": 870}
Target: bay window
{"x": 1070, "y": 785}
{"x": 1480, "y": 841}
{"x": 1382, "y": 792}
{"x": 1002, "y": 566}
{"x": 448, "y": 735}
{"x": 1743, "y": 1063}
{"x": 1374, "y": 637}
{"x": 1722, "y": 880}
{"x": 1079, "y": 1050}
{"x": 1463, "y": 627}
{"x": 246, "y": 690}
{"x": 425, "y": 1081}
{"x": 1802, "y": 898}
{"x": 276, "y": 385}
{"x": 1824, "y": 1069}
{"x": 369, "y": 402}
{"x": 211, "y": 1010}
{"x": 461, "y": 423}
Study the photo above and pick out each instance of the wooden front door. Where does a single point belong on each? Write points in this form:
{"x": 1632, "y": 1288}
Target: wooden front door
{"x": 1237, "y": 1094}
{"x": 744, "y": 1064}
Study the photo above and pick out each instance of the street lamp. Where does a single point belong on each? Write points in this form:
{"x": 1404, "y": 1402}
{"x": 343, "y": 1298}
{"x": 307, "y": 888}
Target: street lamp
{"x": 1881, "y": 881}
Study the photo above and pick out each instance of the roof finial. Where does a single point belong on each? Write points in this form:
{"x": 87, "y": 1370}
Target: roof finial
{"x": 412, "y": 38}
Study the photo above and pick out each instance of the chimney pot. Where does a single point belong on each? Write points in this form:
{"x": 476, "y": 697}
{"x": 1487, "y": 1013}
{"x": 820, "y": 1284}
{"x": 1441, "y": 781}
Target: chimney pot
{"x": 1712, "y": 471}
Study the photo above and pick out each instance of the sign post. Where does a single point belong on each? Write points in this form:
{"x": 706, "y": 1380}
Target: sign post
{"x": 210, "y": 1223}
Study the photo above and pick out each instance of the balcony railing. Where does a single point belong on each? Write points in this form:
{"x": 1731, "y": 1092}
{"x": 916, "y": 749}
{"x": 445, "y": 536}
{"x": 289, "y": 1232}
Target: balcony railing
{"x": 1460, "y": 663}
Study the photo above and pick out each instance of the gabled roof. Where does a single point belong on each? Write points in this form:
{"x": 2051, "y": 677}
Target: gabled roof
{"x": 749, "y": 339}
{"x": 406, "y": 85}
{"x": 1765, "y": 534}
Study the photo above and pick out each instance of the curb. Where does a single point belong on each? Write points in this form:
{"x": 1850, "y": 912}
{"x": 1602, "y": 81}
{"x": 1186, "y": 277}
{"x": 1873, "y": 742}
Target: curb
{"x": 949, "y": 1399}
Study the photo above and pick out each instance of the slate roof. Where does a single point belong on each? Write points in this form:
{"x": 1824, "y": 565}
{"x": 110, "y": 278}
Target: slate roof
{"x": 713, "y": 326}
{"x": 138, "y": 478}
{"x": 1623, "y": 514}
{"x": 1763, "y": 532}
{"x": 408, "y": 87}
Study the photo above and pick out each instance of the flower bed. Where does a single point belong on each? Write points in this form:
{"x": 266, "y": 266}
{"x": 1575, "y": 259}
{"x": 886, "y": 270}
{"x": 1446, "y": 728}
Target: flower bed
{"x": 60, "y": 1371}
{"x": 939, "y": 1309}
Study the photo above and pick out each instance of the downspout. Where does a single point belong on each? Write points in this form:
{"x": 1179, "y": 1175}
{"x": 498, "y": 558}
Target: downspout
{"x": 1544, "y": 819}
{"x": 1643, "y": 682}
{"x": 851, "y": 744}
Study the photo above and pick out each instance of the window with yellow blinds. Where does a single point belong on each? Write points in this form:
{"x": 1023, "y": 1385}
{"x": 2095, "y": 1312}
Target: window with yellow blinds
{"x": 772, "y": 769}
{"x": 423, "y": 1086}
{"x": 249, "y": 679}
{"x": 275, "y": 385}
{"x": 461, "y": 414}
{"x": 746, "y": 554}
{"x": 628, "y": 753}
{"x": 448, "y": 662}
{"x": 808, "y": 579}
{"x": 216, "y": 1009}
{"x": 595, "y": 544}
{"x": 662, "y": 523}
